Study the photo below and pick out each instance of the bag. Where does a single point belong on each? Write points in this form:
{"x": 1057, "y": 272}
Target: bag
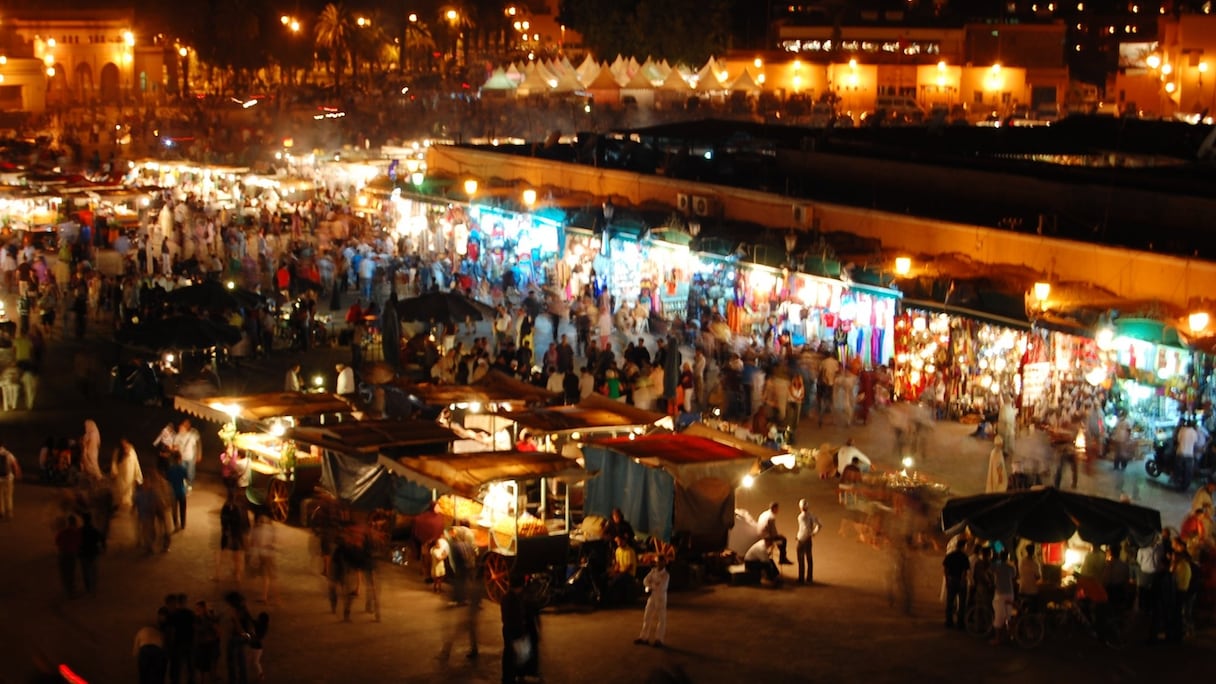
{"x": 523, "y": 650}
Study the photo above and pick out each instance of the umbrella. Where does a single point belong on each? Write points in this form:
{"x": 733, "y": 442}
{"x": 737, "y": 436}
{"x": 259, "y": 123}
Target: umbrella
{"x": 211, "y": 294}
{"x": 179, "y": 332}
{"x": 1050, "y": 515}
{"x": 443, "y": 306}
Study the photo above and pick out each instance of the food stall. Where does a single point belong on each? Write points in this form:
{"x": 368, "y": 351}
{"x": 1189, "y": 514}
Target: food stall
{"x": 257, "y": 425}
{"x": 555, "y": 426}
{"x": 475, "y": 411}
{"x": 504, "y": 498}
{"x": 669, "y": 485}
{"x": 350, "y": 469}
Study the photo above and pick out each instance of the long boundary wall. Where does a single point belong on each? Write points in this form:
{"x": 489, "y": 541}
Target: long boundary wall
{"x": 1127, "y": 273}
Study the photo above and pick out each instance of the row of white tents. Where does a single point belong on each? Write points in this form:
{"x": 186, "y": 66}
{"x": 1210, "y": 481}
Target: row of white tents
{"x": 608, "y": 82}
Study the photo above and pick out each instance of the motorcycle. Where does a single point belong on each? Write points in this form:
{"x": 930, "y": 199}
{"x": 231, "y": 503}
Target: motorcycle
{"x": 1165, "y": 461}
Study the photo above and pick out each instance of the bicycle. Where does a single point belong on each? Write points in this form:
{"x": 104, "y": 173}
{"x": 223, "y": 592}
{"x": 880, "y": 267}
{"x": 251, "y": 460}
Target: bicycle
{"x": 1111, "y": 627}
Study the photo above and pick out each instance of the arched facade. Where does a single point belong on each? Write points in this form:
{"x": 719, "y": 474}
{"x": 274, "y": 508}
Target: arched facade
{"x": 110, "y": 90}
{"x": 83, "y": 83}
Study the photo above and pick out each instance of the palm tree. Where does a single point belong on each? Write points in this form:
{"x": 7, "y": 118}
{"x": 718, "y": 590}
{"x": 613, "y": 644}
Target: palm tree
{"x": 333, "y": 36}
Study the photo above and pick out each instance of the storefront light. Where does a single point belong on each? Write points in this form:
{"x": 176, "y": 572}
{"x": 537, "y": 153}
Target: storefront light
{"x": 903, "y": 266}
{"x": 1198, "y": 321}
{"x": 919, "y": 324}
{"x": 1105, "y": 338}
{"x": 1096, "y": 376}
{"x": 1165, "y": 372}
{"x": 1000, "y": 364}
{"x": 985, "y": 381}
{"x": 1042, "y": 291}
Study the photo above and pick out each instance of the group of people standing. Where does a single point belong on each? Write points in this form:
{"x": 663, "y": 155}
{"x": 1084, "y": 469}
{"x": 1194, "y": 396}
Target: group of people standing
{"x": 187, "y": 643}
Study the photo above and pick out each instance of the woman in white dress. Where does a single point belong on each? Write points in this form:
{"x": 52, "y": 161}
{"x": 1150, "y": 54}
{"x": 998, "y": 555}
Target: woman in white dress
{"x": 126, "y": 472}
{"x": 90, "y": 450}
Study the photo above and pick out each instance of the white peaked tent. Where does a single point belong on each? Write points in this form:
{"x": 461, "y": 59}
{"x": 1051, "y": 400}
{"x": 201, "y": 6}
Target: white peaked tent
{"x": 534, "y": 83}
{"x": 499, "y": 82}
{"x": 640, "y": 89}
{"x": 707, "y": 79}
{"x": 674, "y": 90}
{"x": 632, "y": 66}
{"x": 588, "y": 70}
{"x": 605, "y": 88}
{"x": 653, "y": 72}
{"x": 566, "y": 65}
{"x": 745, "y": 84}
{"x": 567, "y": 82}
{"x": 620, "y": 69}
{"x": 515, "y": 74}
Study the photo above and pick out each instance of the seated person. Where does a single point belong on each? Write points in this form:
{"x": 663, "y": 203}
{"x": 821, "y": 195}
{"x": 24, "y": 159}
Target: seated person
{"x": 759, "y": 558}
{"x": 622, "y": 576}
{"x": 617, "y": 526}
{"x": 849, "y": 455}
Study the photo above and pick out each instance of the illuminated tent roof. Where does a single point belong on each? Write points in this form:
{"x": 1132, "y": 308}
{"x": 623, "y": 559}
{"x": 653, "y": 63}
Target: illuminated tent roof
{"x": 588, "y": 70}
{"x": 675, "y": 83}
{"x": 685, "y": 456}
{"x": 604, "y": 80}
{"x": 466, "y": 474}
{"x": 744, "y": 84}
{"x": 495, "y": 386}
{"x": 638, "y": 82}
{"x": 594, "y": 412}
{"x": 373, "y": 435}
{"x": 259, "y": 407}
{"x": 535, "y": 82}
{"x": 567, "y": 82}
{"x": 707, "y": 78}
{"x": 499, "y": 81}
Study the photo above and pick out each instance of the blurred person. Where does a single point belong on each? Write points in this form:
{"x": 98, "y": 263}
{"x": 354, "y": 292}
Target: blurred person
{"x": 90, "y": 451}
{"x": 234, "y": 528}
{"x": 67, "y": 544}
{"x": 345, "y": 386}
{"x": 206, "y": 649}
{"x": 766, "y": 527}
{"x": 91, "y": 544}
{"x": 292, "y": 381}
{"x": 10, "y": 472}
{"x": 654, "y": 619}
{"x": 239, "y": 626}
{"x": 466, "y": 589}
{"x": 189, "y": 447}
{"x": 264, "y": 555}
{"x": 998, "y": 477}
{"x": 125, "y": 470}
{"x": 808, "y": 527}
{"x": 149, "y": 652}
{"x": 955, "y": 567}
{"x": 1002, "y": 598}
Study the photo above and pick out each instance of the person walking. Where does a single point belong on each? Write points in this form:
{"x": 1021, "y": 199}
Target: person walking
{"x": 234, "y": 524}
{"x": 10, "y": 472}
{"x": 126, "y": 472}
{"x": 955, "y": 567}
{"x": 998, "y": 478}
{"x": 264, "y": 555}
{"x": 239, "y": 627}
{"x": 149, "y": 653}
{"x": 91, "y": 543}
{"x": 466, "y": 590}
{"x": 179, "y": 483}
{"x": 808, "y": 527}
{"x": 189, "y": 446}
{"x": 67, "y": 543}
{"x": 90, "y": 451}
{"x": 654, "y": 619}
{"x": 520, "y": 634}
{"x": 180, "y": 628}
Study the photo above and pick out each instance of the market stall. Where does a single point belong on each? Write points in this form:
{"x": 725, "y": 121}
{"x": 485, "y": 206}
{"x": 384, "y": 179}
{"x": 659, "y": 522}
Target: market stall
{"x": 256, "y": 426}
{"x": 504, "y": 498}
{"x": 669, "y": 484}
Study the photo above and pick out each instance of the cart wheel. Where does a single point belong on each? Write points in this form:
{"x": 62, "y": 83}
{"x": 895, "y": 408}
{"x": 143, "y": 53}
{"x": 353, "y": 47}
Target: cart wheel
{"x": 497, "y": 573}
{"x": 278, "y": 499}
{"x": 1152, "y": 467}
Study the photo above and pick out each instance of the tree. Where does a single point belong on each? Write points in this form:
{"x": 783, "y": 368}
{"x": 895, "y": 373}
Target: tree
{"x": 678, "y": 30}
{"x": 333, "y": 36}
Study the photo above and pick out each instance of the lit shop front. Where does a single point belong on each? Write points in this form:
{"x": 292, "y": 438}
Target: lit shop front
{"x": 1151, "y": 374}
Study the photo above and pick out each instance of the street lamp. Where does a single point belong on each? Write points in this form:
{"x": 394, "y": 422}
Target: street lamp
{"x": 903, "y": 266}
{"x": 1041, "y": 292}
{"x": 529, "y": 198}
{"x": 1198, "y": 321}
{"x": 470, "y": 188}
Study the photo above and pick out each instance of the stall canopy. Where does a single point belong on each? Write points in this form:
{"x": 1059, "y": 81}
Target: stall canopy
{"x": 466, "y": 474}
{"x": 258, "y": 407}
{"x": 493, "y": 387}
{"x": 667, "y": 482}
{"x": 373, "y": 436}
{"x": 594, "y": 412}
{"x": 758, "y": 451}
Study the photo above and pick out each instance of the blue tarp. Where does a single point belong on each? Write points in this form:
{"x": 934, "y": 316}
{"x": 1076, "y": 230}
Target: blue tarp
{"x": 645, "y": 495}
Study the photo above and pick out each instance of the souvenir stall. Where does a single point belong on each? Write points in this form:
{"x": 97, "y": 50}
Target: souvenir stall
{"x": 1059, "y": 373}
{"x": 978, "y": 362}
{"x": 585, "y": 262}
{"x": 30, "y": 216}
{"x": 667, "y": 270}
{"x": 528, "y": 242}
{"x": 1150, "y": 371}
{"x": 857, "y": 320}
{"x": 758, "y": 293}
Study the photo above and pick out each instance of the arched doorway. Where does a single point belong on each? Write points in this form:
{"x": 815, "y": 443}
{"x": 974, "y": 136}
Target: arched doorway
{"x": 58, "y": 88}
{"x": 109, "y": 83}
{"x": 83, "y": 80}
